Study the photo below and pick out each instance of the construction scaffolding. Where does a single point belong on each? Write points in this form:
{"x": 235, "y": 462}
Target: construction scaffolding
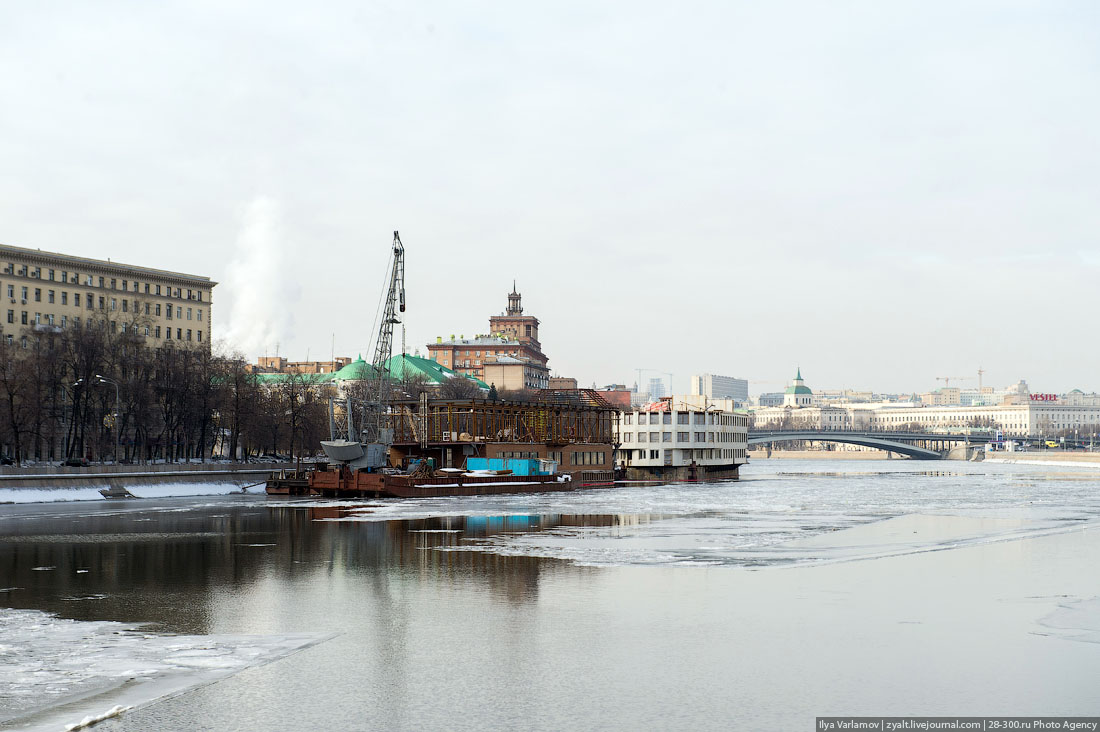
{"x": 574, "y": 418}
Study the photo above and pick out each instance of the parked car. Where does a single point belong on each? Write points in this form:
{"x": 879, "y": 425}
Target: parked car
{"x": 76, "y": 462}
{"x": 6, "y": 461}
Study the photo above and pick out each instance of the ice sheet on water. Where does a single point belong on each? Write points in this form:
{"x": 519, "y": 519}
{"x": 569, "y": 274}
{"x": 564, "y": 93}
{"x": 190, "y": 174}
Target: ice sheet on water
{"x": 46, "y": 661}
{"x": 1077, "y": 620}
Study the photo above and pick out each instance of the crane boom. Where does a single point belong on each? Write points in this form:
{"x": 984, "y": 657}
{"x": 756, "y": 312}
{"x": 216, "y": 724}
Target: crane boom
{"x": 378, "y": 387}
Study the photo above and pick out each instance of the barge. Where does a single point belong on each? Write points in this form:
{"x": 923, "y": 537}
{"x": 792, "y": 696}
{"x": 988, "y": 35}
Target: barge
{"x": 481, "y": 477}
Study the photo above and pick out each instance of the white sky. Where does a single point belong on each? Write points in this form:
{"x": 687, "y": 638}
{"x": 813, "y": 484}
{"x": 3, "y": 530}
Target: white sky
{"x": 882, "y": 192}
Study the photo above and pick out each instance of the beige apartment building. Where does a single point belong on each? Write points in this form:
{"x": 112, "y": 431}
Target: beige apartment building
{"x": 46, "y": 290}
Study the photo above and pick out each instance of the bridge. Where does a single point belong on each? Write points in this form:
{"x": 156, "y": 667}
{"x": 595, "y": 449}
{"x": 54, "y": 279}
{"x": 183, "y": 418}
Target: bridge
{"x": 917, "y": 445}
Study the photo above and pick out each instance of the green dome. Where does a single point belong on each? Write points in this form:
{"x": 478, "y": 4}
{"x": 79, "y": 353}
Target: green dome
{"x": 798, "y": 390}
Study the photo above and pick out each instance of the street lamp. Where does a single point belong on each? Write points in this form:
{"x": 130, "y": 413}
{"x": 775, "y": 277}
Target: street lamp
{"x": 100, "y": 379}
{"x": 118, "y": 427}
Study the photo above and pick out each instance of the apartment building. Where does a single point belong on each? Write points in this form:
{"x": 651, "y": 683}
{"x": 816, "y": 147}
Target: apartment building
{"x": 511, "y": 335}
{"x": 46, "y": 290}
{"x": 720, "y": 387}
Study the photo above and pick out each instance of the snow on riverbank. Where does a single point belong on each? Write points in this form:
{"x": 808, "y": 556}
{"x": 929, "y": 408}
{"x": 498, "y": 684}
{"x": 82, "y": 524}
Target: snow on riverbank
{"x": 90, "y": 493}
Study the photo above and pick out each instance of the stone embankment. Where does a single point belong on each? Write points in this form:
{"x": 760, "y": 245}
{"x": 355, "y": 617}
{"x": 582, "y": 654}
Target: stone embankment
{"x": 121, "y": 476}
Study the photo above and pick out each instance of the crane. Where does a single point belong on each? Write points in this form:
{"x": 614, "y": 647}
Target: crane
{"x": 369, "y": 450}
{"x": 376, "y": 397}
{"x": 947, "y": 380}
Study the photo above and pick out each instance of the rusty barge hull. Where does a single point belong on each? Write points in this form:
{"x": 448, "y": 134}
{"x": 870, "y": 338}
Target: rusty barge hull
{"x": 362, "y": 484}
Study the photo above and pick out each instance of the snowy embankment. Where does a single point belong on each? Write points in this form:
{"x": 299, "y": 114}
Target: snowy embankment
{"x": 57, "y": 674}
{"x": 43, "y": 494}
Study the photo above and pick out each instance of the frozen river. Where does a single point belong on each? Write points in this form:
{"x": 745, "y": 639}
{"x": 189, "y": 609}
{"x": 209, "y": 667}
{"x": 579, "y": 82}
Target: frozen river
{"x": 805, "y": 589}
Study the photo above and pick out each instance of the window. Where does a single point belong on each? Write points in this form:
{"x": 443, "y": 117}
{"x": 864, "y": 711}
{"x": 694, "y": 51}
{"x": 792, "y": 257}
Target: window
{"x": 64, "y": 320}
{"x": 628, "y": 437}
{"x": 200, "y": 336}
{"x": 146, "y": 331}
{"x": 24, "y": 290}
{"x": 587, "y": 458}
{"x": 158, "y": 309}
{"x": 666, "y": 437}
{"x": 682, "y": 418}
{"x": 49, "y": 296}
{"x": 38, "y": 294}
{"x": 146, "y": 288}
{"x": 125, "y": 306}
{"x": 179, "y": 313}
{"x": 11, "y": 291}
{"x": 642, "y": 437}
{"x": 158, "y": 331}
{"x": 179, "y": 334}
{"x": 188, "y": 334}
{"x": 65, "y": 298}
{"x": 114, "y": 304}
{"x": 51, "y": 275}
{"x": 666, "y": 418}
{"x": 102, "y": 303}
{"x": 700, "y": 436}
{"x": 199, "y": 316}
{"x": 11, "y": 316}
{"x": 700, "y": 418}
{"x": 158, "y": 289}
{"x": 683, "y": 437}
{"x": 168, "y": 311}
{"x": 23, "y": 317}
{"x": 37, "y": 318}
{"x": 627, "y": 418}
{"x": 124, "y": 286}
{"x": 101, "y": 282}
{"x": 168, "y": 334}
{"x": 654, "y": 436}
{"x": 146, "y": 308}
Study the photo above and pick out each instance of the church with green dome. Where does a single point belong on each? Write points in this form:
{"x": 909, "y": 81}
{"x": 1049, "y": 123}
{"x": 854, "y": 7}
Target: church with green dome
{"x": 798, "y": 394}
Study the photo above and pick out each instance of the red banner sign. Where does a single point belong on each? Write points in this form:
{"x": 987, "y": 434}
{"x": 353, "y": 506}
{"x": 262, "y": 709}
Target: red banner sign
{"x": 1044, "y": 397}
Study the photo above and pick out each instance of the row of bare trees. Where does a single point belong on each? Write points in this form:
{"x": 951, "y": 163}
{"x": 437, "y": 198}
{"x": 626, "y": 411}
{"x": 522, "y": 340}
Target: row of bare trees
{"x": 176, "y": 401}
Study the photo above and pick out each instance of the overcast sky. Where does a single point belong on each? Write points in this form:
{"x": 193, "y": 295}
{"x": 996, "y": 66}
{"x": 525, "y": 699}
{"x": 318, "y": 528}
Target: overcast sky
{"x": 881, "y": 192}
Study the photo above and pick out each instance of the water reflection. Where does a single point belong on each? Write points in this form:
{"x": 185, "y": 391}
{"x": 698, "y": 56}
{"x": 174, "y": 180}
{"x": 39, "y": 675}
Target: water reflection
{"x": 144, "y": 562}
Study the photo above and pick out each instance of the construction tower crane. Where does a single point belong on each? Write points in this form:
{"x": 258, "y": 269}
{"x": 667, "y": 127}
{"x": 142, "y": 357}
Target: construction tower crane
{"x": 948, "y": 379}
{"x": 377, "y": 396}
{"x": 369, "y": 450}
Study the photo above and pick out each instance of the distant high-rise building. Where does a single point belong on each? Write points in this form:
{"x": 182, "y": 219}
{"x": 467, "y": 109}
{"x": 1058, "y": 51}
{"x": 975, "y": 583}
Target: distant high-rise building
{"x": 720, "y": 387}
{"x": 656, "y": 389}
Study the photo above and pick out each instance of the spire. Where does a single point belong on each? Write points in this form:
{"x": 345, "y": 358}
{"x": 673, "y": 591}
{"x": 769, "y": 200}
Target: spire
{"x": 514, "y": 287}
{"x": 799, "y": 377}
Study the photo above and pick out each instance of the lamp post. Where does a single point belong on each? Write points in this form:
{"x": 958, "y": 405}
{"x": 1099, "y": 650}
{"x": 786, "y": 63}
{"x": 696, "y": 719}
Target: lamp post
{"x": 100, "y": 379}
{"x": 118, "y": 427}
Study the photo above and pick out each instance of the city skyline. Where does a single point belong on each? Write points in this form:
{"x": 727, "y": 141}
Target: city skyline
{"x": 882, "y": 195}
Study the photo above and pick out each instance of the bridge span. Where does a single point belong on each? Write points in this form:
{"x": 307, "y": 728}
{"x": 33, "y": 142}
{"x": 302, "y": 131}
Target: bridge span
{"x": 917, "y": 445}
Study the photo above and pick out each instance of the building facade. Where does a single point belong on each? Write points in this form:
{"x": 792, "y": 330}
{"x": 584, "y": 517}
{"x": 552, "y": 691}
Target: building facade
{"x": 46, "y": 290}
{"x": 279, "y": 365}
{"x": 720, "y": 387}
{"x": 512, "y": 334}
{"x": 651, "y": 442}
{"x": 508, "y": 372}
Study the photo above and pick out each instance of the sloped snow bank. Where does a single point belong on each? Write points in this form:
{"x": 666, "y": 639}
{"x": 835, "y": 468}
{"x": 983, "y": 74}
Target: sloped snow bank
{"x": 89, "y": 493}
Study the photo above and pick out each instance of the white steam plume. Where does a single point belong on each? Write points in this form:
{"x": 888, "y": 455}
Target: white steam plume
{"x": 260, "y": 286}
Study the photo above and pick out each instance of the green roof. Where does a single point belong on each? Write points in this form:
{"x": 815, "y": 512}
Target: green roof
{"x": 798, "y": 390}
{"x": 406, "y": 366}
{"x": 400, "y": 367}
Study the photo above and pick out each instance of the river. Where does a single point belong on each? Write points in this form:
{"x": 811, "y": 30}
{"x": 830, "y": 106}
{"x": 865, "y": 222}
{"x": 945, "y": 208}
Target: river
{"x": 805, "y": 589}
